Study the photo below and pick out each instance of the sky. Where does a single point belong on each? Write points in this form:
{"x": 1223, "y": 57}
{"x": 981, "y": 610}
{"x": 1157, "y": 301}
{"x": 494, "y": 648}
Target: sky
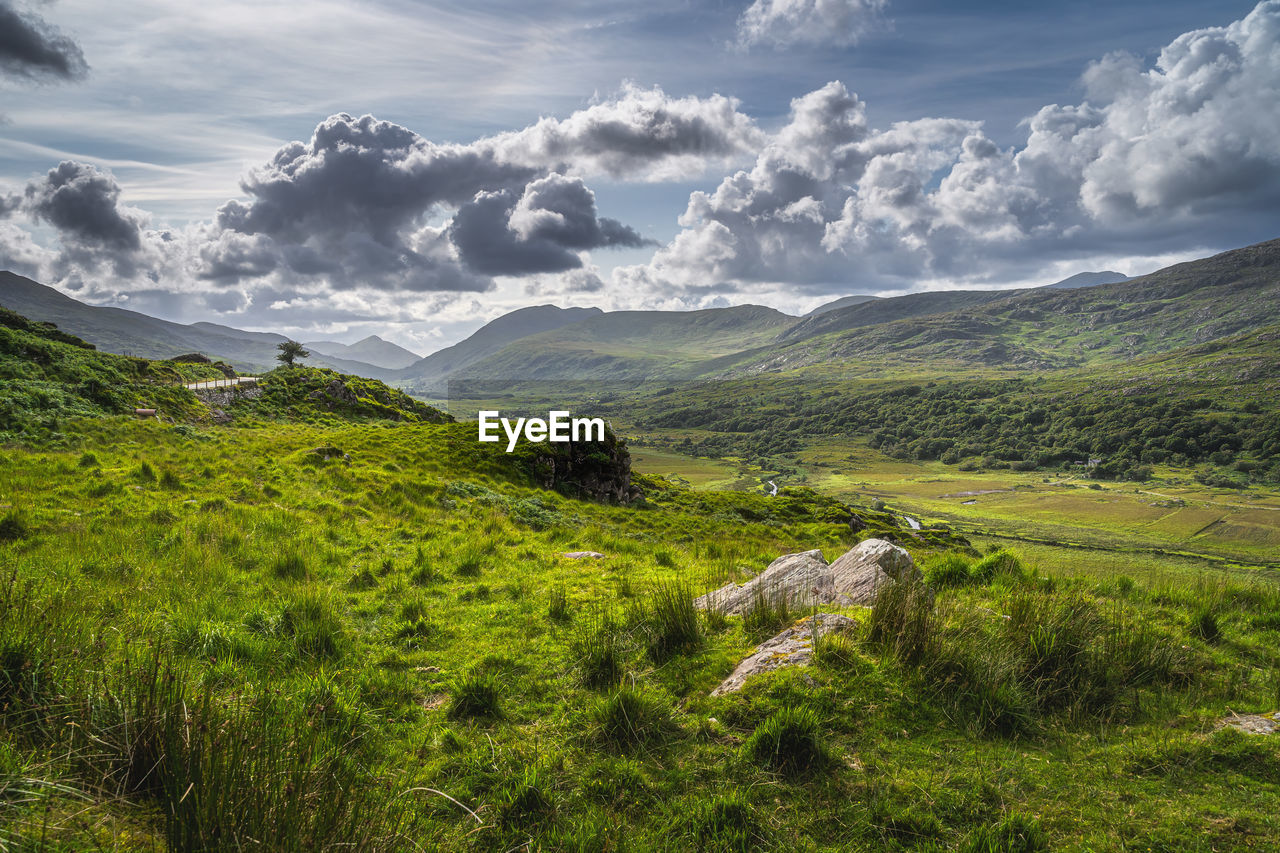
{"x": 413, "y": 169}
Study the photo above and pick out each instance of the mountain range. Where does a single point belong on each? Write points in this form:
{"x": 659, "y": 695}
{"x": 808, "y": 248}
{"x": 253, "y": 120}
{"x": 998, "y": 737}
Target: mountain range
{"x": 1089, "y": 318}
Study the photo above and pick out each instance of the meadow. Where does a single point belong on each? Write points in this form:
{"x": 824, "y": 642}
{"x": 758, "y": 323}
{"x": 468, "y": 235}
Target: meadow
{"x": 363, "y": 634}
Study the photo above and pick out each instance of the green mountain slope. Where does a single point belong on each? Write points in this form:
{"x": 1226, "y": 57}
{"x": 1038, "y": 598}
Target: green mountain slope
{"x": 431, "y": 373}
{"x": 371, "y": 350}
{"x": 120, "y": 331}
{"x": 624, "y": 345}
{"x": 1043, "y": 328}
{"x": 48, "y": 377}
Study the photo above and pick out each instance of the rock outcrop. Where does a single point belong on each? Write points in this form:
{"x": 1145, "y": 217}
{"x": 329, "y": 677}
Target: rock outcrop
{"x": 792, "y": 647}
{"x": 806, "y": 578}
{"x": 595, "y": 470}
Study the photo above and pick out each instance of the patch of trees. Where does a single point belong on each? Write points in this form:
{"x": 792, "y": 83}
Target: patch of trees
{"x": 1115, "y": 432}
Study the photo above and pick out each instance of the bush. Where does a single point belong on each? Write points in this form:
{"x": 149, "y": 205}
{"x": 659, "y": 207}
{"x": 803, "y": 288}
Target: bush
{"x": 788, "y": 741}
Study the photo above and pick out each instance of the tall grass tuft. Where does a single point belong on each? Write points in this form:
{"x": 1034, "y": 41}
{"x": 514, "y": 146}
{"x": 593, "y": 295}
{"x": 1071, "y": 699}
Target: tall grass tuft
{"x": 629, "y": 717}
{"x": 903, "y": 621}
{"x": 558, "y": 604}
{"x": 476, "y": 694}
{"x": 314, "y": 626}
{"x": 599, "y": 653}
{"x": 949, "y": 569}
{"x": 671, "y": 622}
{"x": 788, "y": 741}
{"x": 767, "y": 614}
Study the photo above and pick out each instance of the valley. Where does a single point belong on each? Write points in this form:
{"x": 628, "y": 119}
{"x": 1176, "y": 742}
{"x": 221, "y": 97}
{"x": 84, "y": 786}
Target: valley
{"x": 314, "y": 608}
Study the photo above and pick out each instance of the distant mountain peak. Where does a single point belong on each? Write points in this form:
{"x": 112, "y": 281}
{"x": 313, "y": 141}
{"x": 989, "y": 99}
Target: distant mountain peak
{"x": 1089, "y": 279}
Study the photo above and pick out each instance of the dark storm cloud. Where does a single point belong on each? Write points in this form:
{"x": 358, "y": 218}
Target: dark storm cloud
{"x": 83, "y": 203}
{"x": 362, "y": 174}
{"x": 539, "y": 231}
{"x": 30, "y": 47}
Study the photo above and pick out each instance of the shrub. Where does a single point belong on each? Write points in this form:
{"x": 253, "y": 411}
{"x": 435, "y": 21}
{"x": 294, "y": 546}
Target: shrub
{"x": 788, "y": 741}
{"x": 949, "y": 569}
{"x": 629, "y": 718}
{"x": 672, "y": 622}
{"x": 476, "y": 695}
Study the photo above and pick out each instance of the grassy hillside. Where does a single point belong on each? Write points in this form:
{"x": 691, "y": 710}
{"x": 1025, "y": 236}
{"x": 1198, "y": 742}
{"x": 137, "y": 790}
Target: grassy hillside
{"x": 120, "y": 331}
{"x": 635, "y": 344}
{"x": 431, "y": 374}
{"x": 213, "y": 637}
{"x": 1043, "y": 328}
{"x": 48, "y": 377}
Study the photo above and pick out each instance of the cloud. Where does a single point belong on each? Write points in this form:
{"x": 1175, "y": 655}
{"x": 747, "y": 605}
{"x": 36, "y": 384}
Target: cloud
{"x": 83, "y": 203}
{"x": 1153, "y": 158}
{"x": 33, "y": 49}
{"x": 782, "y": 23}
{"x": 353, "y": 203}
{"x": 640, "y": 134}
{"x": 538, "y": 231}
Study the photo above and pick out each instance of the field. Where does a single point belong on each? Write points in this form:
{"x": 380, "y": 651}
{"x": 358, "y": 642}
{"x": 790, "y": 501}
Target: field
{"x": 366, "y": 636}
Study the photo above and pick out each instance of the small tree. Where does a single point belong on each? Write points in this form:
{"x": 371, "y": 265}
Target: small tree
{"x": 290, "y": 350}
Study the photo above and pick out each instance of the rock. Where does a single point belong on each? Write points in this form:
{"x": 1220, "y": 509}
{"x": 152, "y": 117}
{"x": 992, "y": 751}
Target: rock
{"x": 806, "y": 579}
{"x": 337, "y": 392}
{"x": 583, "y": 555}
{"x": 219, "y": 416}
{"x": 595, "y": 470}
{"x": 864, "y": 568}
{"x": 792, "y": 647}
{"x": 1254, "y": 724}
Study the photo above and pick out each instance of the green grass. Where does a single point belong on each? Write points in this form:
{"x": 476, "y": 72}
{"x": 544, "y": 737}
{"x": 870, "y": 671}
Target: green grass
{"x": 391, "y": 637}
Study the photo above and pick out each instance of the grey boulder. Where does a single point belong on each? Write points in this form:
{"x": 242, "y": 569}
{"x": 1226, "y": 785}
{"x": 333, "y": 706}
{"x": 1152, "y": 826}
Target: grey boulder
{"x": 806, "y": 579}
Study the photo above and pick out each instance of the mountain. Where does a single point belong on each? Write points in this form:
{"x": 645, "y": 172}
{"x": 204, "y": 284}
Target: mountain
{"x": 430, "y": 374}
{"x": 842, "y": 302}
{"x": 635, "y": 345}
{"x": 119, "y": 330}
{"x": 1041, "y": 328}
{"x": 1089, "y": 279}
{"x": 371, "y": 350}
{"x": 873, "y": 313}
